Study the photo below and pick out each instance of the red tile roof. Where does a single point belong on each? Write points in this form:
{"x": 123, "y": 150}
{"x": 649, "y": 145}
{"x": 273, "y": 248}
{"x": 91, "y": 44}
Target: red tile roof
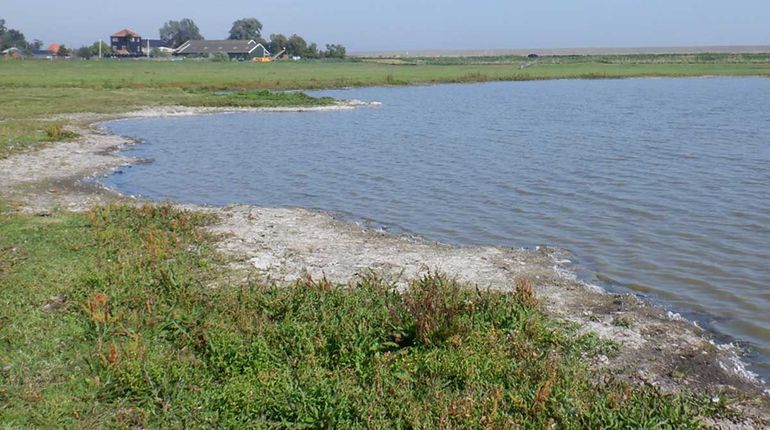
{"x": 125, "y": 32}
{"x": 54, "y": 47}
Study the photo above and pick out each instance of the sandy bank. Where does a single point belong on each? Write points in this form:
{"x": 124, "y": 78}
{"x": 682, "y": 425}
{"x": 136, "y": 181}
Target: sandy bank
{"x": 281, "y": 245}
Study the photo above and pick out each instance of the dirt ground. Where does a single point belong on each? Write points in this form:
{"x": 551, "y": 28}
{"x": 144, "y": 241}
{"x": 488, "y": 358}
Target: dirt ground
{"x": 657, "y": 347}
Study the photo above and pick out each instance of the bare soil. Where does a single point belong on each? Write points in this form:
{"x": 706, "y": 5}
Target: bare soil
{"x": 281, "y": 245}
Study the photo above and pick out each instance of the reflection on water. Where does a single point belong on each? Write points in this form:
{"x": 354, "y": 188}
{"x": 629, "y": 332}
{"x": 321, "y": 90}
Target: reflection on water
{"x": 661, "y": 187}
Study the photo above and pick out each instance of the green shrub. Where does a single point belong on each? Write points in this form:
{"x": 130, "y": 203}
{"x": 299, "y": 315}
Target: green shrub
{"x": 219, "y": 57}
{"x": 57, "y": 132}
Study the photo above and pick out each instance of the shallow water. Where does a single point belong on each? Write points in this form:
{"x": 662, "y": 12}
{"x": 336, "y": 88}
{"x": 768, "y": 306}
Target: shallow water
{"x": 660, "y": 187}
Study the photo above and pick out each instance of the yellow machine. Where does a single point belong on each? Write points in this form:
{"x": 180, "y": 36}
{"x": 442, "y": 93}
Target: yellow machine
{"x": 262, "y": 59}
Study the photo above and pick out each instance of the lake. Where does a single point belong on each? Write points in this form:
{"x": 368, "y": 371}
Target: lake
{"x": 660, "y": 187}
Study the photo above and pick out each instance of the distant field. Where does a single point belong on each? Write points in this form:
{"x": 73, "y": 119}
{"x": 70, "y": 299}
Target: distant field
{"x": 32, "y": 90}
{"x": 132, "y": 74}
{"x": 747, "y": 49}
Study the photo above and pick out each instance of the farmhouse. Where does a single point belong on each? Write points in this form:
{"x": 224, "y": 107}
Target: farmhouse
{"x": 50, "y": 53}
{"x": 43, "y": 53}
{"x": 54, "y": 48}
{"x": 126, "y": 43}
{"x": 235, "y": 49}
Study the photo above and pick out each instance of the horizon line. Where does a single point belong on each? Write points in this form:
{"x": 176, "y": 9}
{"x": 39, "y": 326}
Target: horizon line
{"x": 493, "y": 52}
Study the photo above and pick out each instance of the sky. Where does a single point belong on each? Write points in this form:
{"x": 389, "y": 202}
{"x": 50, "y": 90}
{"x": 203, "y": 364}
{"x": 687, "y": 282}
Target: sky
{"x": 395, "y": 25}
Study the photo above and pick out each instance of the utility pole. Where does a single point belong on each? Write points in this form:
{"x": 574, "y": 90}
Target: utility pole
{"x": 100, "y": 49}
{"x": 148, "y": 48}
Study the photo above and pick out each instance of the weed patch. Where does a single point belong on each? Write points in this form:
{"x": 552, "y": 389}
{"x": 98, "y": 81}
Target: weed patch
{"x": 255, "y": 98}
{"x": 57, "y": 132}
{"x": 141, "y": 337}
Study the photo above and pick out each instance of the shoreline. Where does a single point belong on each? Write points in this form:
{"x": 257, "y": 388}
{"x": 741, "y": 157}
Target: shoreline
{"x": 660, "y": 348}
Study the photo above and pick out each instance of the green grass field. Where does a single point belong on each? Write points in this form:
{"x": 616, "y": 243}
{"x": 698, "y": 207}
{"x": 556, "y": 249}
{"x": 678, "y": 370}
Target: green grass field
{"x": 116, "y": 74}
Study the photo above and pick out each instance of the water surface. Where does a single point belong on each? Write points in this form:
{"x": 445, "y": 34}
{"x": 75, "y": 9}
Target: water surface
{"x": 660, "y": 187}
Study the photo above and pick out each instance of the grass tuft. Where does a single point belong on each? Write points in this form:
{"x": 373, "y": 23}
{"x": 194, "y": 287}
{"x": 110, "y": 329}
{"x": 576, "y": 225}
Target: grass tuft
{"x": 57, "y": 132}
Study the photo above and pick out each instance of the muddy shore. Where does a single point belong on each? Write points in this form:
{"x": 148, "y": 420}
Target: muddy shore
{"x": 658, "y": 347}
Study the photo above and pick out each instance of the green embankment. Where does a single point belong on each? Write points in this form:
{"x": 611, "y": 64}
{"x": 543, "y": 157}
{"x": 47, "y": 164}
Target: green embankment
{"x": 120, "y": 317}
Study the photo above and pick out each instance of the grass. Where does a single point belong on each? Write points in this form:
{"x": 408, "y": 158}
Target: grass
{"x": 257, "y": 98}
{"x": 24, "y": 135}
{"x": 119, "y": 317}
{"x": 137, "y": 75}
{"x": 631, "y": 59}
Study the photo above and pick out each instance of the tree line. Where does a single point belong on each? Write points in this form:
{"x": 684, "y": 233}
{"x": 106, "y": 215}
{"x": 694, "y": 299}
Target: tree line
{"x": 11, "y": 38}
{"x": 175, "y": 33}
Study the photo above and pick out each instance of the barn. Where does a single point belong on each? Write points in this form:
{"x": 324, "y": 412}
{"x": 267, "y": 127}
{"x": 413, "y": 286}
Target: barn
{"x": 235, "y": 49}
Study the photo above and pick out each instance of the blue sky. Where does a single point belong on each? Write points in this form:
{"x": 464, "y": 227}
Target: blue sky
{"x": 415, "y": 24}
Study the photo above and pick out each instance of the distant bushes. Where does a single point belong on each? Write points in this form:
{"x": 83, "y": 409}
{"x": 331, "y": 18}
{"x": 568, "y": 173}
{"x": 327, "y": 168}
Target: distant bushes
{"x": 219, "y": 57}
{"x": 256, "y": 99}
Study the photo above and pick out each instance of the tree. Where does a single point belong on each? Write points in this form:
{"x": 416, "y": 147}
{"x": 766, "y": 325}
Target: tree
{"x": 296, "y": 46}
{"x": 84, "y": 52}
{"x": 106, "y": 50}
{"x": 10, "y": 38}
{"x": 312, "y": 51}
{"x": 175, "y": 33}
{"x": 246, "y": 29}
{"x": 277, "y": 43}
{"x": 36, "y": 44}
{"x": 335, "y": 51}
{"x": 157, "y": 53}
{"x": 63, "y": 51}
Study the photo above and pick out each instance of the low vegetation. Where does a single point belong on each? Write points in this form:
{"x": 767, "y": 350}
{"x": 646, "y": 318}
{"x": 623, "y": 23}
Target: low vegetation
{"x": 122, "y": 317}
{"x": 21, "y": 135}
{"x": 57, "y": 133}
{"x": 258, "y": 98}
{"x": 304, "y": 75}
{"x": 630, "y": 59}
